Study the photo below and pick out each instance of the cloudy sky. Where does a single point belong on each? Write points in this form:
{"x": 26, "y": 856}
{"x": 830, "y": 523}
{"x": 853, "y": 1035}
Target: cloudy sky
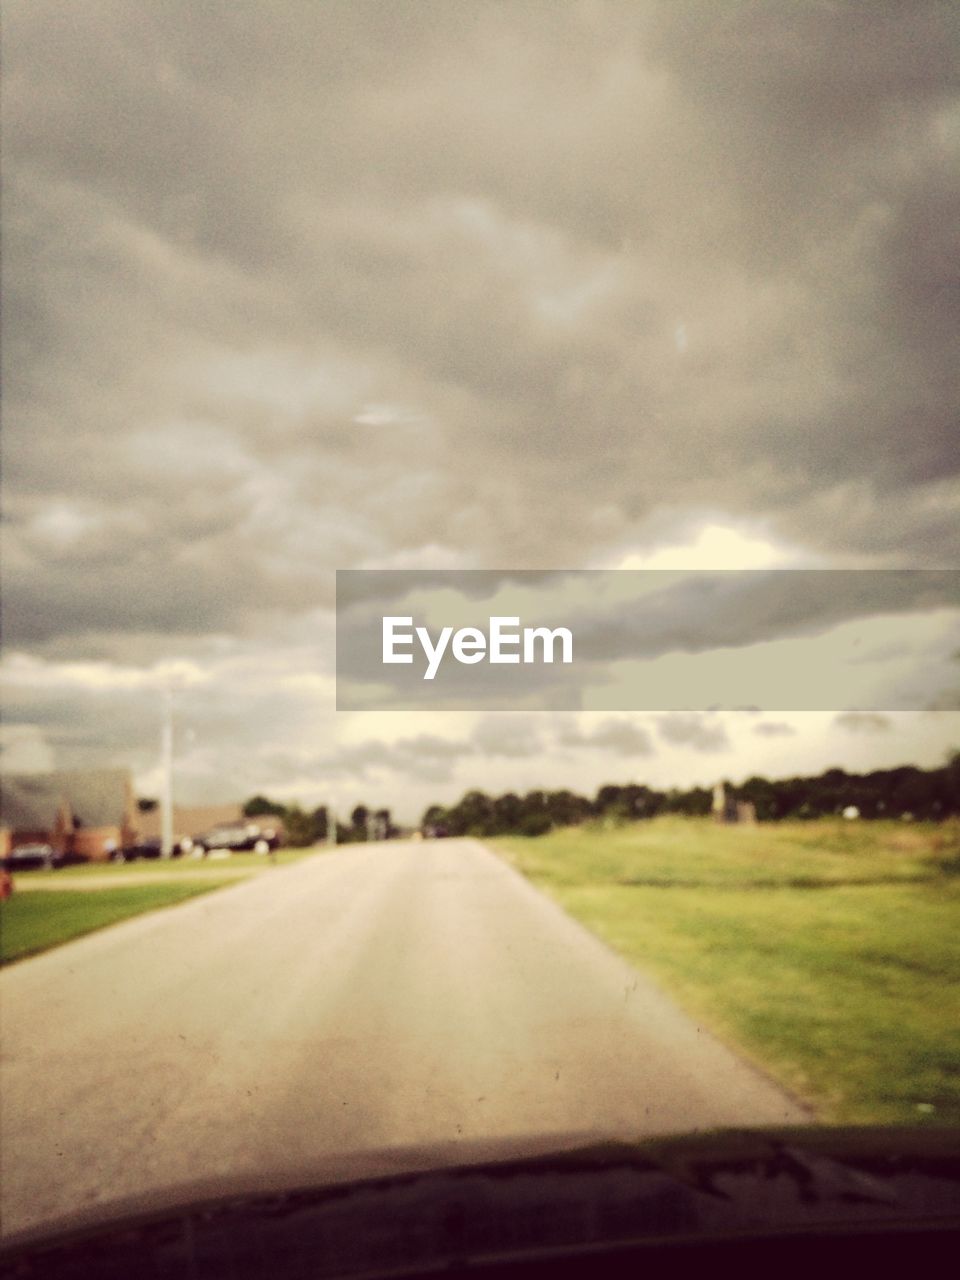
{"x": 293, "y": 287}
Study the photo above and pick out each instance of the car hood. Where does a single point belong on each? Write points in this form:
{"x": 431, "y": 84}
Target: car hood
{"x": 421, "y": 1208}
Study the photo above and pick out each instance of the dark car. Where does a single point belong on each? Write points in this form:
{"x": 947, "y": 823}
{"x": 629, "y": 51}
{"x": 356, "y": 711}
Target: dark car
{"x": 27, "y": 857}
{"x": 152, "y": 847}
{"x": 245, "y": 839}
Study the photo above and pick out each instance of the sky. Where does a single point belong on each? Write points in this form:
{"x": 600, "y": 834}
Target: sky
{"x": 291, "y": 288}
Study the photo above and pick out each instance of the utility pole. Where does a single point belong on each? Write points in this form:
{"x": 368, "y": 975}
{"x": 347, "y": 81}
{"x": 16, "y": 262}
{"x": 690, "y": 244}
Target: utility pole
{"x": 166, "y": 772}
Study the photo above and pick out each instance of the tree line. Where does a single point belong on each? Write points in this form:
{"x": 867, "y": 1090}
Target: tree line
{"x": 906, "y": 791}
{"x": 308, "y": 826}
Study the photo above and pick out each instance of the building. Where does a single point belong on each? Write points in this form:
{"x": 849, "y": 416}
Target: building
{"x": 82, "y": 813}
{"x": 727, "y": 808}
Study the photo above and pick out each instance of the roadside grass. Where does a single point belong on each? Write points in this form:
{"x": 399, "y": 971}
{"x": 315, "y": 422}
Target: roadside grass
{"x": 828, "y": 953}
{"x": 34, "y": 922}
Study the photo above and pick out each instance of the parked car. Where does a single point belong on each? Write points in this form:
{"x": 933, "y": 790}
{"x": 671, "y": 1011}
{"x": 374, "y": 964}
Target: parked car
{"x": 152, "y": 847}
{"x": 28, "y": 857}
{"x": 239, "y": 839}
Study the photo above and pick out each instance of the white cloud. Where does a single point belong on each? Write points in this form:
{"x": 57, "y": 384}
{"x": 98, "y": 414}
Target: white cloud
{"x": 23, "y": 670}
{"x": 719, "y": 546}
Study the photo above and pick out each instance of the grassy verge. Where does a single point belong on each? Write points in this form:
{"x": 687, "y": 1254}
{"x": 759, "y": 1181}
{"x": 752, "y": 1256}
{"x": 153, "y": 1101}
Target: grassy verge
{"x": 32, "y": 922}
{"x": 237, "y": 862}
{"x": 828, "y": 953}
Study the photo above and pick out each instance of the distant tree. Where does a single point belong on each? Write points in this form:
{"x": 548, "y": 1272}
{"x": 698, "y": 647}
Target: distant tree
{"x": 535, "y": 802}
{"x": 951, "y": 782}
{"x": 298, "y": 826}
{"x": 535, "y": 824}
{"x": 259, "y": 805}
{"x": 358, "y": 821}
{"x": 507, "y": 813}
{"x": 566, "y": 809}
{"x": 433, "y": 816}
{"x": 695, "y": 803}
{"x": 646, "y": 803}
{"x": 319, "y": 821}
{"x": 930, "y": 794}
{"x": 472, "y": 815}
{"x": 761, "y": 793}
{"x": 382, "y": 825}
{"x": 607, "y": 799}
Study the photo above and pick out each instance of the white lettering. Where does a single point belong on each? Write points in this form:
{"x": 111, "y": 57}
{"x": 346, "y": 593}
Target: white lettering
{"x": 391, "y": 640}
{"x": 530, "y": 634}
{"x": 469, "y": 645}
{"x": 498, "y": 639}
{"x": 434, "y": 654}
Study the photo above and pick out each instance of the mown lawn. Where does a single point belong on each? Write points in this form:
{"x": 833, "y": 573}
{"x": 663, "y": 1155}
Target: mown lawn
{"x": 829, "y": 953}
{"x": 32, "y": 922}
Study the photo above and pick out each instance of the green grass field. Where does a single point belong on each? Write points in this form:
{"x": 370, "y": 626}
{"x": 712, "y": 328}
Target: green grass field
{"x": 32, "y": 922}
{"x": 826, "y": 952}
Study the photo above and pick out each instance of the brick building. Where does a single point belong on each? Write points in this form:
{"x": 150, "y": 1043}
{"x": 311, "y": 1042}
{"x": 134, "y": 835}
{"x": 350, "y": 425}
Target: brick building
{"x": 82, "y": 813}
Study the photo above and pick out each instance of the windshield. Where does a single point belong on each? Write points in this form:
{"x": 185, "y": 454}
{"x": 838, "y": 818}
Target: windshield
{"x": 480, "y": 605}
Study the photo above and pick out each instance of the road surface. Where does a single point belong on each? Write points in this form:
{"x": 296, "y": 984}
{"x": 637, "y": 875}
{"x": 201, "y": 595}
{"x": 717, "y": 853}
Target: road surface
{"x": 380, "y": 996}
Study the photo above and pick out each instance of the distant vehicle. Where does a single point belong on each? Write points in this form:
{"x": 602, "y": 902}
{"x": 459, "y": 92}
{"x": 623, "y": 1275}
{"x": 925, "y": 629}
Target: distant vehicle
{"x": 251, "y": 838}
{"x": 144, "y": 849}
{"x": 152, "y": 847}
{"x": 28, "y": 857}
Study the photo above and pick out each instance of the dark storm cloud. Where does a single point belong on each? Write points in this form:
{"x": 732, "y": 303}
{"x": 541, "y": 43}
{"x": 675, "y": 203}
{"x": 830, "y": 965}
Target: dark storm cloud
{"x": 694, "y": 731}
{"x": 422, "y": 757}
{"x": 774, "y": 729}
{"x": 617, "y": 735}
{"x": 427, "y": 758}
{"x": 700, "y": 611}
{"x": 863, "y": 722}
{"x": 518, "y": 205}
{"x": 515, "y": 737}
{"x": 296, "y": 287}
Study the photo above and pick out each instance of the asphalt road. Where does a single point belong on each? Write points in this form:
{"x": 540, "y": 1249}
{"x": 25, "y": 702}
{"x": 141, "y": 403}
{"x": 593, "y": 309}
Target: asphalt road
{"x": 377, "y": 997}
